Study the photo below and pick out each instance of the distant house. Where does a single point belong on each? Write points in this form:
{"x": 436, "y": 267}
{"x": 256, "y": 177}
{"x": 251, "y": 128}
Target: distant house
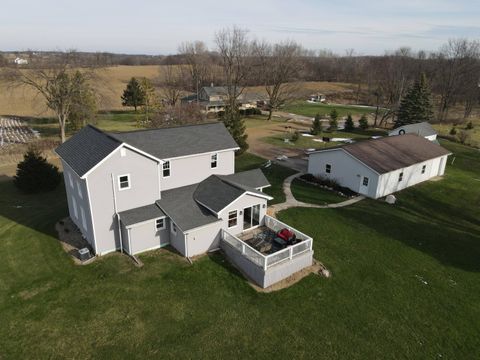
{"x": 421, "y": 129}
{"x": 214, "y": 98}
{"x": 20, "y": 61}
{"x": 379, "y": 167}
{"x": 142, "y": 190}
{"x": 317, "y": 98}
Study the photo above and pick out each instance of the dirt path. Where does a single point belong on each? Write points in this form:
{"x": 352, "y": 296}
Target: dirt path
{"x": 259, "y": 147}
{"x": 292, "y": 202}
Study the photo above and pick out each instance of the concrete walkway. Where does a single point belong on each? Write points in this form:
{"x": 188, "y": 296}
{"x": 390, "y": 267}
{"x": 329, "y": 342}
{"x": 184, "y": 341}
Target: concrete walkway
{"x": 292, "y": 202}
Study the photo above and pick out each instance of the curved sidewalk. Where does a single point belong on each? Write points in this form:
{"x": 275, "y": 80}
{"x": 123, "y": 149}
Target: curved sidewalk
{"x": 290, "y": 200}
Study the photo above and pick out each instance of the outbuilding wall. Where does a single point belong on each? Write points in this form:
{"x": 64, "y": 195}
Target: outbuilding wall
{"x": 388, "y": 183}
{"x": 346, "y": 170}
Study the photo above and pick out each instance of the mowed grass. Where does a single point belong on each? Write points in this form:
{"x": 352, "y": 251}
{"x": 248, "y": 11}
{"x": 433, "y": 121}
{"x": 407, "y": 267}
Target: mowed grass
{"x": 275, "y": 174}
{"x": 311, "y": 109}
{"x": 309, "y": 193}
{"x": 405, "y": 284}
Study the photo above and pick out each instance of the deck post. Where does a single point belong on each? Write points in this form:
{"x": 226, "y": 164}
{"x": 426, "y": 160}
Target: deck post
{"x": 290, "y": 252}
{"x": 243, "y": 248}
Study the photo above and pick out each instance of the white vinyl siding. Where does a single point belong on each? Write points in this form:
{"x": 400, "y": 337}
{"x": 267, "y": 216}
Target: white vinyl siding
{"x": 74, "y": 204}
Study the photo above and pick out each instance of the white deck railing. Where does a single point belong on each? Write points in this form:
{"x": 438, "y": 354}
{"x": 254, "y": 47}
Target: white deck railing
{"x": 266, "y": 261}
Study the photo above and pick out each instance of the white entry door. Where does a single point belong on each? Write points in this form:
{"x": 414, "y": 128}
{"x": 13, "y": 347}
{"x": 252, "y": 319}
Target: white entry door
{"x": 364, "y": 184}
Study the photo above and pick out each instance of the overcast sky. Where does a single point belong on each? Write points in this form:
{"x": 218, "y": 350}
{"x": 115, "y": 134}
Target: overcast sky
{"x": 157, "y": 26}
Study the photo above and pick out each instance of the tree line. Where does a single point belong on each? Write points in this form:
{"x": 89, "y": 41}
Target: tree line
{"x": 238, "y": 60}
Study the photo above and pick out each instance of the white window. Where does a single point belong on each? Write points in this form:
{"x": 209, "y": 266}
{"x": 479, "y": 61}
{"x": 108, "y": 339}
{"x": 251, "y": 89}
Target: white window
{"x": 424, "y": 167}
{"x": 232, "y": 218}
{"x": 328, "y": 168}
{"x": 70, "y": 180}
{"x": 75, "y": 210}
{"x": 213, "y": 161}
{"x": 160, "y": 224}
{"x": 400, "y": 177}
{"x": 166, "y": 169}
{"x": 84, "y": 219}
{"x": 173, "y": 228}
{"x": 79, "y": 190}
{"x": 124, "y": 182}
{"x": 365, "y": 181}
{"x": 123, "y": 152}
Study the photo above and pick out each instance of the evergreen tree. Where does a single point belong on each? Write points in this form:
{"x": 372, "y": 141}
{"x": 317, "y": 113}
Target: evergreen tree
{"x": 316, "y": 126}
{"x": 35, "y": 174}
{"x": 334, "y": 119}
{"x": 133, "y": 95}
{"x": 236, "y": 126}
{"x": 349, "y": 126}
{"x": 363, "y": 122}
{"x": 416, "y": 105}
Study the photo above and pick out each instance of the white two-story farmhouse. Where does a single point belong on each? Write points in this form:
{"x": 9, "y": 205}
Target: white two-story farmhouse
{"x": 142, "y": 190}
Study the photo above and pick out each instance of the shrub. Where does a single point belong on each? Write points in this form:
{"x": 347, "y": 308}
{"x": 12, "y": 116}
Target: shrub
{"x": 257, "y": 111}
{"x": 35, "y": 174}
{"x": 349, "y": 126}
{"x": 329, "y": 183}
{"x": 363, "y": 122}
{"x": 463, "y": 137}
{"x": 295, "y": 136}
{"x": 469, "y": 125}
{"x": 334, "y": 119}
{"x": 453, "y": 130}
{"x": 316, "y": 126}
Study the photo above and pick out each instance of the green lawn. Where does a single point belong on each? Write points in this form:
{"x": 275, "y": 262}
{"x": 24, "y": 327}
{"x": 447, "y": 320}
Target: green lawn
{"x": 405, "y": 285}
{"x": 275, "y": 174}
{"x": 311, "y": 109}
{"x": 108, "y": 121}
{"x": 309, "y": 193}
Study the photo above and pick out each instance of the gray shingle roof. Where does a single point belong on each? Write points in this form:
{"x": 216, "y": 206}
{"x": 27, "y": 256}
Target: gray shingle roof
{"x": 252, "y": 178}
{"x": 215, "y": 90}
{"x": 216, "y": 194}
{"x": 180, "y": 205}
{"x": 189, "y": 206}
{"x": 140, "y": 214}
{"x": 394, "y": 152}
{"x": 172, "y": 142}
{"x": 86, "y": 149}
{"x": 422, "y": 129}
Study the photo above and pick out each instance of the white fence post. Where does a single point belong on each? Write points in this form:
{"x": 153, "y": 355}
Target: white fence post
{"x": 243, "y": 249}
{"x": 291, "y": 252}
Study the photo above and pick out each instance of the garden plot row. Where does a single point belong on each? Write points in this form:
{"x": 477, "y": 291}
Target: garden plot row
{"x": 14, "y": 131}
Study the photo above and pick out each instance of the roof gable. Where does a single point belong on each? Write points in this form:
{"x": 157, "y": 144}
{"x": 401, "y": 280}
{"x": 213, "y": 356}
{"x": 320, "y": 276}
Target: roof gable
{"x": 86, "y": 149}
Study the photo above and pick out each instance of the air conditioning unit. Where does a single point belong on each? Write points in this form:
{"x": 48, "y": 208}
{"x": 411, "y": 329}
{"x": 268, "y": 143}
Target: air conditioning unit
{"x": 84, "y": 254}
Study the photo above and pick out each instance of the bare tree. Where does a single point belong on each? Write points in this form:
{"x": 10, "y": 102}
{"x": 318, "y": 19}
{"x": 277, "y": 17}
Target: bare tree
{"x": 178, "y": 115}
{"x": 278, "y": 68}
{"x": 456, "y": 68}
{"x": 58, "y": 81}
{"x": 197, "y": 63}
{"x": 172, "y": 84}
{"x": 234, "y": 49}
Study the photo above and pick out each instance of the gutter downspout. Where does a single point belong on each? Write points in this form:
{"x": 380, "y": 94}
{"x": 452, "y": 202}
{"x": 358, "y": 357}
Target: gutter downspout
{"x": 116, "y": 214}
